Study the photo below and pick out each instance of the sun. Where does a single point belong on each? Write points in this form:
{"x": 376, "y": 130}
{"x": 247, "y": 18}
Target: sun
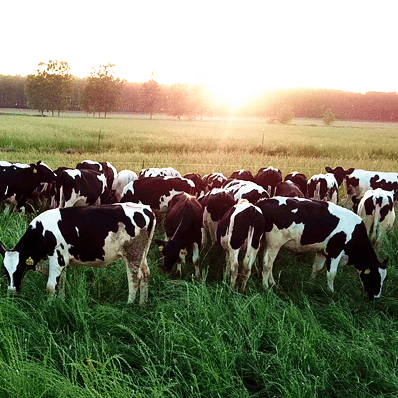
{"x": 233, "y": 95}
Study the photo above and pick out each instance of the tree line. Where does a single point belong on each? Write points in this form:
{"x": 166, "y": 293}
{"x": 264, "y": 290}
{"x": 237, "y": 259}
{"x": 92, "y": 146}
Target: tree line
{"x": 54, "y": 89}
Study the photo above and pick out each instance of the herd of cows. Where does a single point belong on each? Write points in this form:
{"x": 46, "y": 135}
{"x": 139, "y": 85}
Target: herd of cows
{"x": 97, "y": 215}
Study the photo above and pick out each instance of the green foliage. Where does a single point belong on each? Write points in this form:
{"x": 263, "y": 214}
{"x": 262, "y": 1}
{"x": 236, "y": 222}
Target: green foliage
{"x": 150, "y": 96}
{"x": 51, "y": 88}
{"x": 102, "y": 92}
{"x": 329, "y": 117}
{"x": 285, "y": 114}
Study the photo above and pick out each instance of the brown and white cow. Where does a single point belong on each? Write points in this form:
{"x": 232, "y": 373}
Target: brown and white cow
{"x": 184, "y": 228}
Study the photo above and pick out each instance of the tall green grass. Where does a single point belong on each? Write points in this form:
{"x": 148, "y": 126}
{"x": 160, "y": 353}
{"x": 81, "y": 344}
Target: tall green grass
{"x": 199, "y": 339}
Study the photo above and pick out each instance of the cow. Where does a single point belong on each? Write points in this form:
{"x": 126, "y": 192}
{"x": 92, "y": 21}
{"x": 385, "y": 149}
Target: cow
{"x": 19, "y": 180}
{"x": 215, "y": 204}
{"x": 100, "y": 167}
{"x": 339, "y": 173}
{"x": 94, "y": 236}
{"x": 82, "y": 187}
{"x": 268, "y": 178}
{"x": 298, "y": 178}
{"x": 329, "y": 230}
{"x": 156, "y": 191}
{"x": 288, "y": 189}
{"x": 214, "y": 180}
{"x": 183, "y": 225}
{"x": 245, "y": 175}
{"x": 376, "y": 210}
{"x": 323, "y": 187}
{"x": 241, "y": 189}
{"x": 242, "y": 227}
{"x": 360, "y": 181}
{"x": 158, "y": 172}
{"x": 122, "y": 179}
{"x": 200, "y": 186}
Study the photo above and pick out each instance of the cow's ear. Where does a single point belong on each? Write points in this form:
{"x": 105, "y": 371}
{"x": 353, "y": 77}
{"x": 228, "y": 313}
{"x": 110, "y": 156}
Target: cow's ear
{"x": 329, "y": 169}
{"x": 2, "y": 249}
{"x": 383, "y": 264}
{"x": 350, "y": 170}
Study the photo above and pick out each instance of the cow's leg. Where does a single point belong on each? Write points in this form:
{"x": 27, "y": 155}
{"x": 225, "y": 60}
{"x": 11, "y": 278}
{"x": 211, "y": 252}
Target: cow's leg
{"x": 135, "y": 253}
{"x": 233, "y": 265}
{"x": 195, "y": 259}
{"x": 56, "y": 272}
{"x": 268, "y": 262}
{"x": 318, "y": 264}
{"x": 331, "y": 274}
{"x": 248, "y": 262}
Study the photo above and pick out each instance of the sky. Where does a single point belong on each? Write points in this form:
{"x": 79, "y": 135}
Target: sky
{"x": 236, "y": 47}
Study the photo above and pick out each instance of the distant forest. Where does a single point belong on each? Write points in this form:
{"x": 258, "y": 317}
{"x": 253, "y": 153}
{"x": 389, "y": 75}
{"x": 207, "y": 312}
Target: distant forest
{"x": 303, "y": 102}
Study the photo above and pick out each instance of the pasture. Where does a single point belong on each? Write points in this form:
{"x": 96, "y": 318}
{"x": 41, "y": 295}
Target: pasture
{"x": 199, "y": 339}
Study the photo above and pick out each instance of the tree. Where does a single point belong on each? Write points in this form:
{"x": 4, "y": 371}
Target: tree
{"x": 328, "y": 117}
{"x": 51, "y": 88}
{"x": 150, "y": 95}
{"x": 103, "y": 90}
{"x": 285, "y": 114}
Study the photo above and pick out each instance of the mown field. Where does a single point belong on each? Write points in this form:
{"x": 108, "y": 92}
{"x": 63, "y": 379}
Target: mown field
{"x": 199, "y": 339}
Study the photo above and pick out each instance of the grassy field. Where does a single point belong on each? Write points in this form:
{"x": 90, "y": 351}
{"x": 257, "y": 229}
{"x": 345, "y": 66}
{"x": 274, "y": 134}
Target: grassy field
{"x": 196, "y": 339}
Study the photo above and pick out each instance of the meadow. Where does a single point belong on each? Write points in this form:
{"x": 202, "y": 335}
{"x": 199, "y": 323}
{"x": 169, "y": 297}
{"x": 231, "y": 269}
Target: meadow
{"x": 195, "y": 338}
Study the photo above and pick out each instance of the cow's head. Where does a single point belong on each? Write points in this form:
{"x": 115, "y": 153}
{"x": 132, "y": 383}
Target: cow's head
{"x": 339, "y": 173}
{"x": 42, "y": 172}
{"x": 171, "y": 252}
{"x": 373, "y": 278}
{"x": 16, "y": 264}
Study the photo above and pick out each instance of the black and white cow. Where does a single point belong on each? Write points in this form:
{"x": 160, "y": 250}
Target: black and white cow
{"x": 242, "y": 227}
{"x": 298, "y": 178}
{"x": 339, "y": 173}
{"x": 94, "y": 236}
{"x": 19, "y": 180}
{"x": 360, "y": 181}
{"x": 323, "y": 187}
{"x": 100, "y": 167}
{"x": 214, "y": 180}
{"x": 183, "y": 225}
{"x": 122, "y": 179}
{"x": 245, "y": 175}
{"x": 80, "y": 188}
{"x": 288, "y": 189}
{"x": 156, "y": 191}
{"x": 268, "y": 178}
{"x": 376, "y": 209}
{"x": 159, "y": 172}
{"x": 200, "y": 186}
{"x": 329, "y": 230}
{"x": 215, "y": 204}
{"x": 242, "y": 189}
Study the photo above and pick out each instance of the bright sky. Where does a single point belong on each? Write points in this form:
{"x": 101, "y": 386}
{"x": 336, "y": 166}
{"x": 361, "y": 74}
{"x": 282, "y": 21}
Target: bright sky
{"x": 236, "y": 47}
